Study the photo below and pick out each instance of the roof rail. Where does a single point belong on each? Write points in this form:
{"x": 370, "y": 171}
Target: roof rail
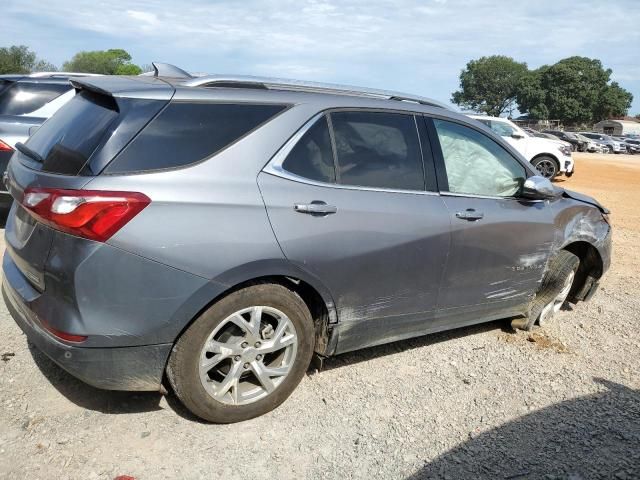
{"x": 246, "y": 81}
{"x": 61, "y": 74}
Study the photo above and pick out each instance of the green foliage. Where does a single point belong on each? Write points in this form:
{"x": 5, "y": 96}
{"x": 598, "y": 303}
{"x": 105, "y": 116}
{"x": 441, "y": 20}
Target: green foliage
{"x": 19, "y": 59}
{"x": 107, "y": 62}
{"x": 614, "y": 102}
{"x": 490, "y": 84}
{"x": 574, "y": 90}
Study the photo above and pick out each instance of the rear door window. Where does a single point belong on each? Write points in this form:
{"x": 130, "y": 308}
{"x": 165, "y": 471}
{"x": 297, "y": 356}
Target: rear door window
{"x": 378, "y": 149}
{"x": 26, "y": 97}
{"x": 68, "y": 139}
{"x": 185, "y": 133}
{"x": 312, "y": 156}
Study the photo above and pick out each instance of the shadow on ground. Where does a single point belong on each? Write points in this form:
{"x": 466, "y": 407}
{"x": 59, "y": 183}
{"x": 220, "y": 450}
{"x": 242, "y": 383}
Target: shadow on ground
{"x": 91, "y": 398}
{"x": 596, "y": 436}
{"x": 114, "y": 402}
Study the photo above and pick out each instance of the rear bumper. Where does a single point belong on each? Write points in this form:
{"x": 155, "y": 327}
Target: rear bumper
{"x": 120, "y": 368}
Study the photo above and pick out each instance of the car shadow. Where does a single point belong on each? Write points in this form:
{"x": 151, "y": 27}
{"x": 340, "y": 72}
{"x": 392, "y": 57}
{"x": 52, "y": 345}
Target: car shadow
{"x": 91, "y": 398}
{"x": 595, "y": 436}
{"x": 117, "y": 402}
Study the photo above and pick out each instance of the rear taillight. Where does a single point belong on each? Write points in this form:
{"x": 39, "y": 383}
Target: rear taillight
{"x": 93, "y": 214}
{"x": 4, "y": 147}
{"x": 67, "y": 337}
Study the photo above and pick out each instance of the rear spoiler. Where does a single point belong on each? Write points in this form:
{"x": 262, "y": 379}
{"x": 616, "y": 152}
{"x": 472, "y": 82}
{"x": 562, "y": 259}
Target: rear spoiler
{"x": 147, "y": 87}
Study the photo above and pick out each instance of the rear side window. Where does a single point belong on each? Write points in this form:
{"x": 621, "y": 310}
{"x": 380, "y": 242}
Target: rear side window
{"x": 378, "y": 149}
{"x": 312, "y": 157}
{"x": 24, "y": 97}
{"x": 67, "y": 140}
{"x": 185, "y": 133}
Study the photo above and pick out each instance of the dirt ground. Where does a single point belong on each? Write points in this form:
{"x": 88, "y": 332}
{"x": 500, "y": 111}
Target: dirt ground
{"x": 561, "y": 402}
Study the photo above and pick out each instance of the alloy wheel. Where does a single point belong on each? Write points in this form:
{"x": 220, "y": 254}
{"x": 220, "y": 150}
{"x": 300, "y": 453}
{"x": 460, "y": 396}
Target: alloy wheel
{"x": 547, "y": 168}
{"x": 248, "y": 355}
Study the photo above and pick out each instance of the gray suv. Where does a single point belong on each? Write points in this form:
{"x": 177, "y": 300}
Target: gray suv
{"x": 220, "y": 231}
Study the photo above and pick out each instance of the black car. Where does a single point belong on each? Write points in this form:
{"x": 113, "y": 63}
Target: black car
{"x": 576, "y": 143}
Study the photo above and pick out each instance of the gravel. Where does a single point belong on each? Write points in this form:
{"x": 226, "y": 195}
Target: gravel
{"x": 561, "y": 402}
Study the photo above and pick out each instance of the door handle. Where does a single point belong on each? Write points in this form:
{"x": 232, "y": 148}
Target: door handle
{"x": 316, "y": 207}
{"x": 470, "y": 214}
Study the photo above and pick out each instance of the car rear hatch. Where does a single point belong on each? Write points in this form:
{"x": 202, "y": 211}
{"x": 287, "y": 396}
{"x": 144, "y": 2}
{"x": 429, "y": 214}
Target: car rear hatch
{"x": 69, "y": 150}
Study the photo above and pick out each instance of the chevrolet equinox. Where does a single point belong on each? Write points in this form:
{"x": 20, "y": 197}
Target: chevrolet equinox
{"x": 217, "y": 232}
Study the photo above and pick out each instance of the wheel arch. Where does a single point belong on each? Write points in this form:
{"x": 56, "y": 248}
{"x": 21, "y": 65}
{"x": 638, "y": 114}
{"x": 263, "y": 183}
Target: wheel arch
{"x": 313, "y": 292}
{"x": 591, "y": 267}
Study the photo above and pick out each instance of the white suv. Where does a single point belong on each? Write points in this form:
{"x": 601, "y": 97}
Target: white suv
{"x": 550, "y": 157}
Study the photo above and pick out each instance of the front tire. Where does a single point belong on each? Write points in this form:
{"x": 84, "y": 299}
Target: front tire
{"x": 547, "y": 166}
{"x": 554, "y": 290}
{"x": 244, "y": 355}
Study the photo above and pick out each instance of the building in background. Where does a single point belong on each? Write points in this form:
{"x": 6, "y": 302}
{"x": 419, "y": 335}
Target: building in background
{"x": 617, "y": 127}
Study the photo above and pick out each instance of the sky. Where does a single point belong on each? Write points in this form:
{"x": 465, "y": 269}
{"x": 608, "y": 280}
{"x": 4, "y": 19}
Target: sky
{"x": 407, "y": 45}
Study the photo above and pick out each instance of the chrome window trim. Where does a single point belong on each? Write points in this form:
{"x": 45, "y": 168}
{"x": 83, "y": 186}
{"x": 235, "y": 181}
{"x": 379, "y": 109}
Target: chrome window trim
{"x": 488, "y": 197}
{"x": 274, "y": 167}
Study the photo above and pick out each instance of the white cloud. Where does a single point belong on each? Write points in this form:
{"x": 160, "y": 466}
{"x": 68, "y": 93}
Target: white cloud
{"x": 400, "y": 44}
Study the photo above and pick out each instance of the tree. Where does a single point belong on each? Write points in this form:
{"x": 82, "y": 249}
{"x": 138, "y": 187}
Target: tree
{"x": 490, "y": 84}
{"x": 615, "y": 101}
{"x": 574, "y": 90}
{"x": 107, "y": 62}
{"x": 19, "y": 59}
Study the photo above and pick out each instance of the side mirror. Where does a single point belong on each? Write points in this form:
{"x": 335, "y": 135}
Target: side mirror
{"x": 539, "y": 188}
{"x": 517, "y": 135}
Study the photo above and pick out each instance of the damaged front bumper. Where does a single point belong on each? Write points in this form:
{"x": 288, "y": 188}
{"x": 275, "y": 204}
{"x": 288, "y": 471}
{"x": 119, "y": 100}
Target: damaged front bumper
{"x": 119, "y": 368}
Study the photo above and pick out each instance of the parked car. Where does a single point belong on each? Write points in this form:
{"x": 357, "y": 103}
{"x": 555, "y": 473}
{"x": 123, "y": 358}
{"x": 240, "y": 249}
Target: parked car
{"x": 630, "y": 145}
{"x": 612, "y": 145}
{"x": 633, "y": 145}
{"x": 550, "y": 157}
{"x": 590, "y": 144}
{"x": 26, "y": 101}
{"x": 222, "y": 230}
{"x": 576, "y": 143}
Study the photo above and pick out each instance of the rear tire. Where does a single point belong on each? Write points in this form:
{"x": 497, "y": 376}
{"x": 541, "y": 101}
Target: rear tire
{"x": 248, "y": 381}
{"x": 553, "y": 292}
{"x": 546, "y": 165}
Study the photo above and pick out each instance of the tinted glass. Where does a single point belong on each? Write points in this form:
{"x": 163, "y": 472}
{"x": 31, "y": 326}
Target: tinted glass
{"x": 312, "y": 157}
{"x": 379, "y": 150}
{"x": 186, "y": 133}
{"x": 24, "y": 97}
{"x": 67, "y": 140}
{"x": 477, "y": 165}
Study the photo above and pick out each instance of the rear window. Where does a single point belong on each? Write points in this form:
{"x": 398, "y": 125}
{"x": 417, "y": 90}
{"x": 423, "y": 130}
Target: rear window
{"x": 312, "y": 157}
{"x": 24, "y": 97}
{"x": 67, "y": 140}
{"x": 185, "y": 133}
{"x": 378, "y": 150}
